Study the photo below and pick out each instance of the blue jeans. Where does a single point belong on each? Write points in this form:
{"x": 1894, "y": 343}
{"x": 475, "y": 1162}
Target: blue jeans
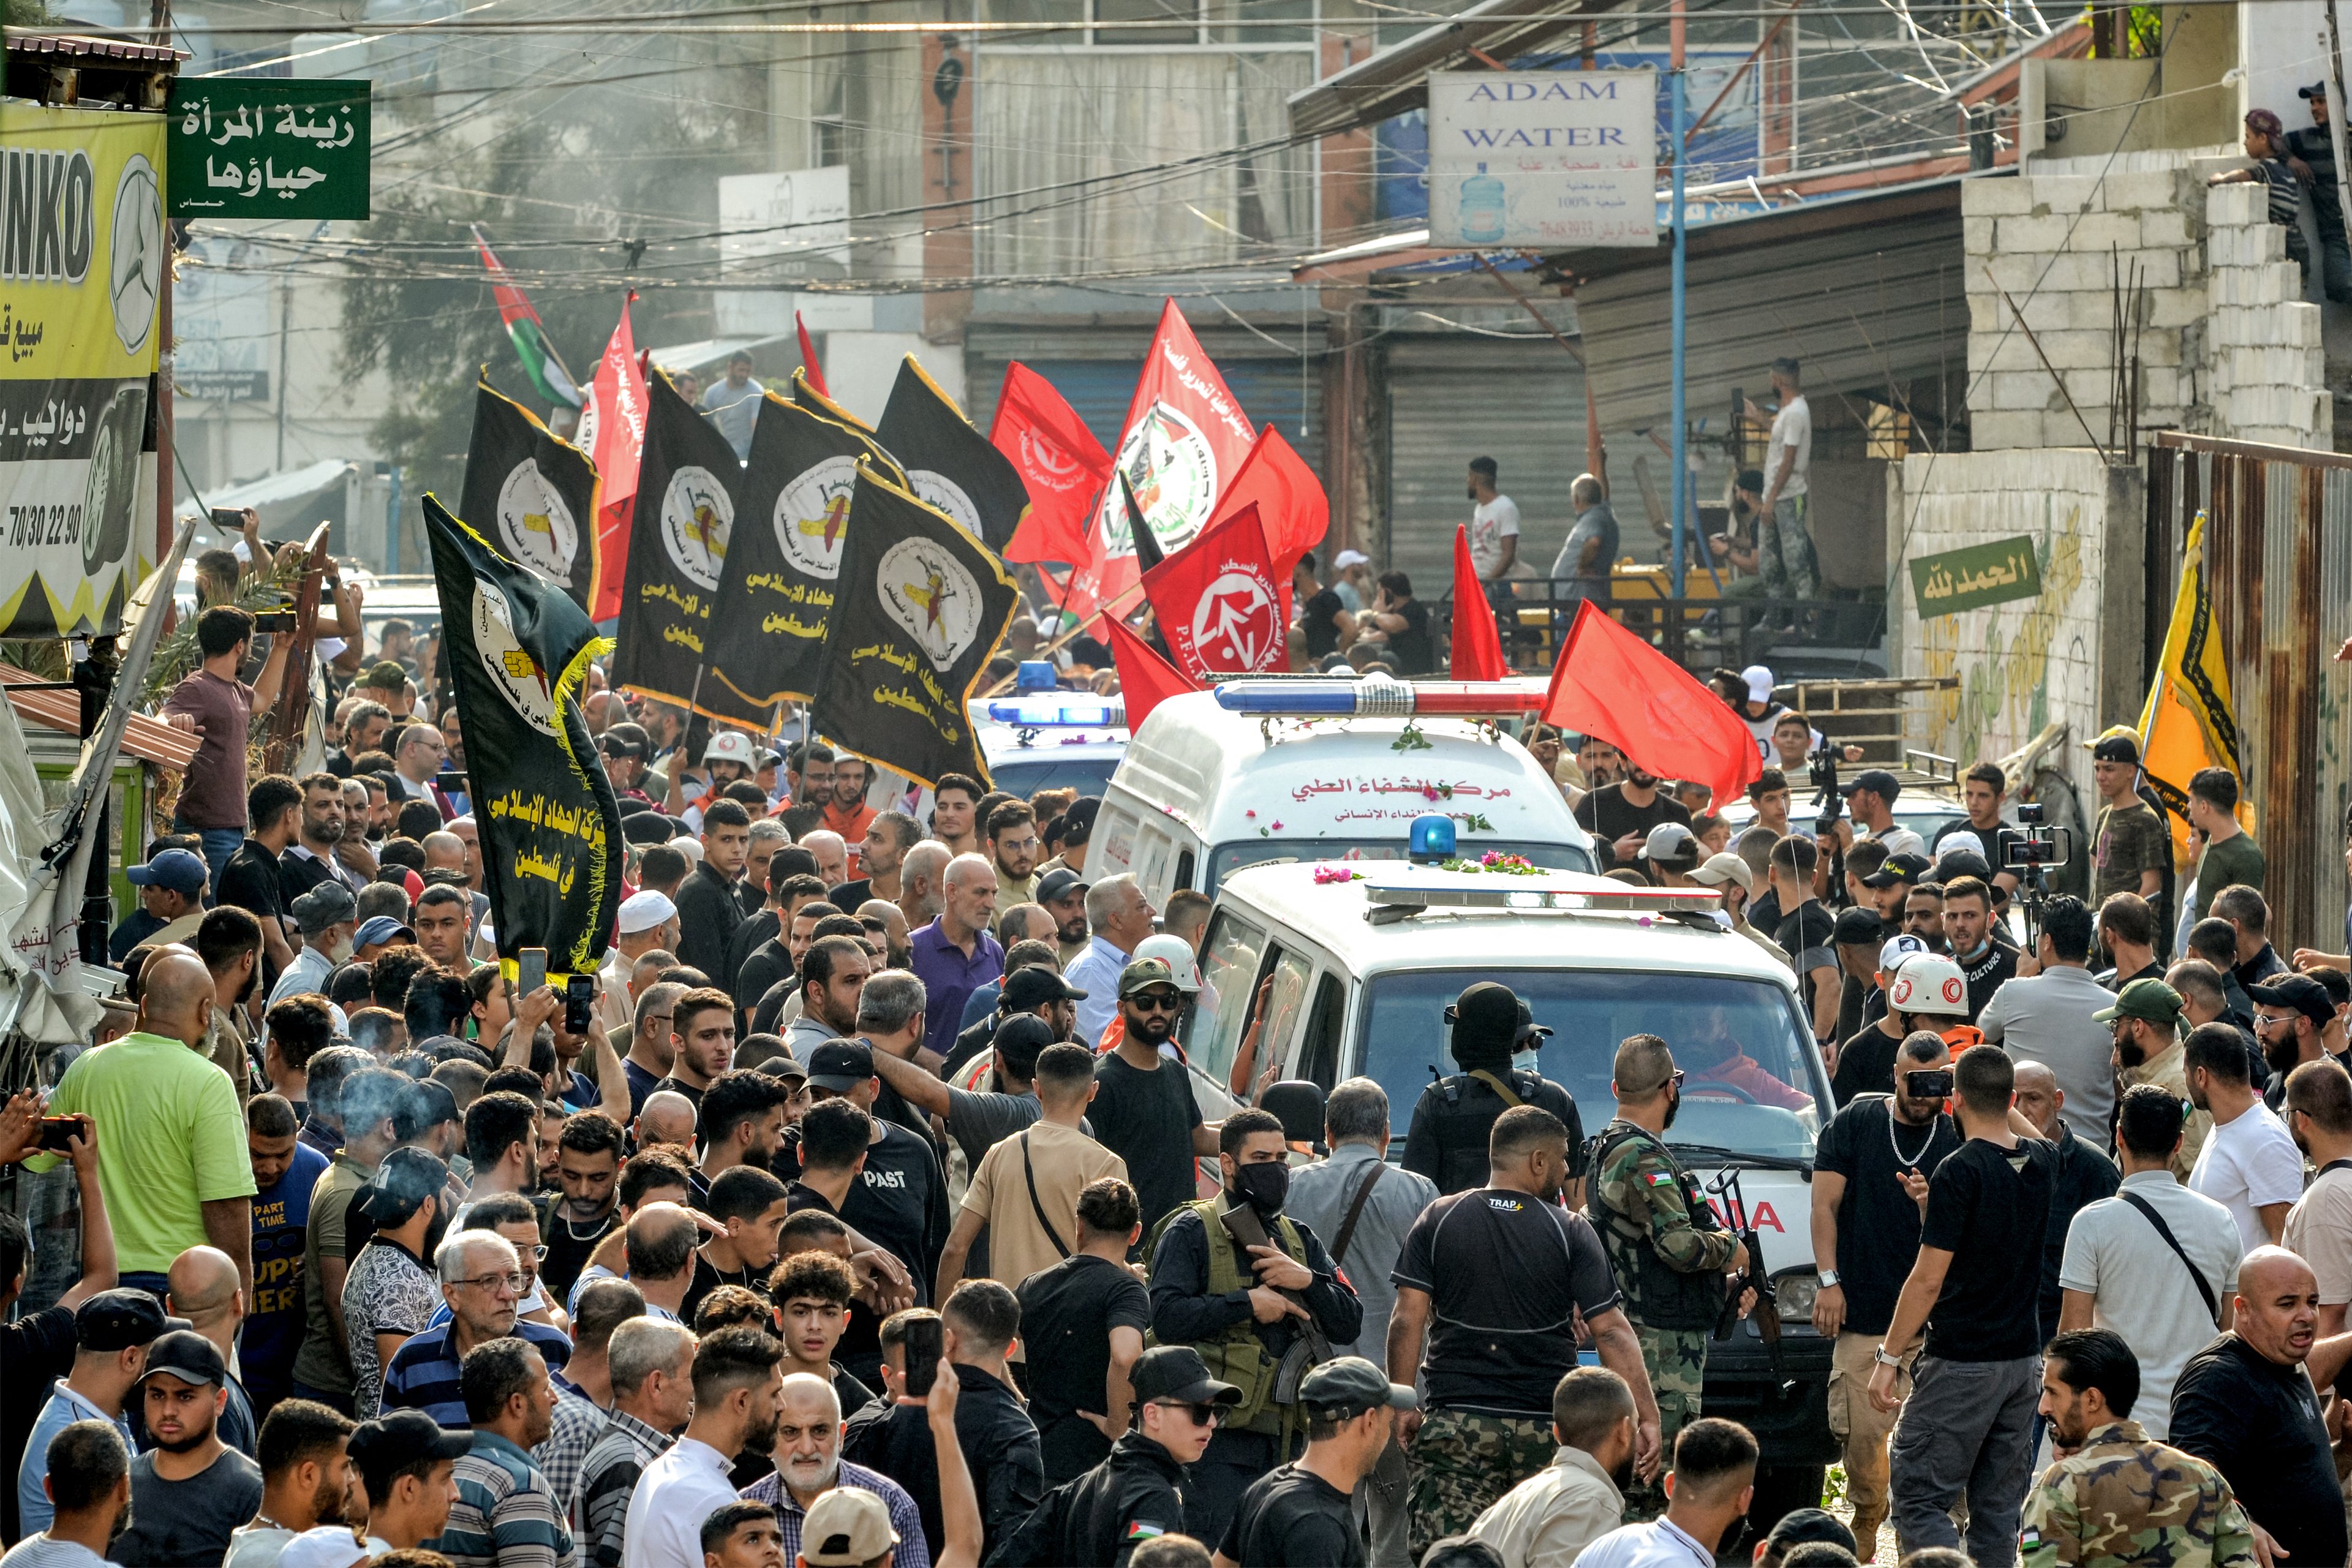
{"x": 220, "y": 843}
{"x": 156, "y": 1285}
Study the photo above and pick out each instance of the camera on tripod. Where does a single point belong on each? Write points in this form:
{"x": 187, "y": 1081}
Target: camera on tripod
{"x": 2036, "y": 846}
{"x": 1822, "y": 773}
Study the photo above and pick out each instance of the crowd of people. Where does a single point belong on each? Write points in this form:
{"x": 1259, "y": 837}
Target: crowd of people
{"x": 868, "y": 1219}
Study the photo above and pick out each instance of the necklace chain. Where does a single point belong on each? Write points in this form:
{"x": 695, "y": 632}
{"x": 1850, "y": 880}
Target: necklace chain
{"x": 1903, "y": 1160}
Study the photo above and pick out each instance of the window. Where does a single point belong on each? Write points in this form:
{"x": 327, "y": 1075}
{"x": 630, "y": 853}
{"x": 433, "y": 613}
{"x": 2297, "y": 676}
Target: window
{"x": 1319, "y": 1054}
{"x": 1211, "y": 1031}
{"x": 1292, "y": 971}
{"x": 830, "y": 135}
{"x": 1228, "y": 858}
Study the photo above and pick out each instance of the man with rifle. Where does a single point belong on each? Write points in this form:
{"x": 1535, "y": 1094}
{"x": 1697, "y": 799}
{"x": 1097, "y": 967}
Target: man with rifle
{"x": 1670, "y": 1254}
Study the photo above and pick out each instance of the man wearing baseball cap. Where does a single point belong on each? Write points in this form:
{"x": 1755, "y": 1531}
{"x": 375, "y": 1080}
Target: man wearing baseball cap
{"x": 1446, "y": 1136}
{"x": 112, "y": 1332}
{"x": 377, "y": 933}
{"x": 1301, "y": 1512}
{"x": 1870, "y": 802}
{"x": 1143, "y": 1109}
{"x": 190, "y": 1492}
{"x": 1669, "y": 853}
{"x": 1136, "y": 1495}
{"x": 171, "y": 903}
{"x": 404, "y": 1460}
{"x": 2317, "y": 148}
{"x": 1063, "y": 893}
{"x": 1735, "y": 881}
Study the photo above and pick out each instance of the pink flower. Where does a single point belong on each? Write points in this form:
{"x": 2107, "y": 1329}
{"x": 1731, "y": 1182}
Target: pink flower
{"x": 1277, "y": 828}
{"x": 1251, "y": 814}
{"x": 1428, "y": 793}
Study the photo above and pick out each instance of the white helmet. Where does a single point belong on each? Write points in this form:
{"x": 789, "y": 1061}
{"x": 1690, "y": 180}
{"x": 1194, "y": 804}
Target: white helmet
{"x": 1930, "y": 984}
{"x": 1176, "y": 954}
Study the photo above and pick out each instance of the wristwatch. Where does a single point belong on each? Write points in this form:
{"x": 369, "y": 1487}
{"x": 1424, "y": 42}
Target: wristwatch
{"x": 1829, "y": 1277}
{"x": 1878, "y": 1354}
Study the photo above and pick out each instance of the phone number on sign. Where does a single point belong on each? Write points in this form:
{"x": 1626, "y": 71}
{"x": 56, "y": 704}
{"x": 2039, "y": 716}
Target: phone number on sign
{"x": 30, "y": 526}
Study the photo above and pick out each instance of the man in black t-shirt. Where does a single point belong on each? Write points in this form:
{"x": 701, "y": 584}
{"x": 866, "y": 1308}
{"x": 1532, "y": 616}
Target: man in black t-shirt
{"x": 1493, "y": 1279}
{"x": 1973, "y": 1290}
{"x": 1807, "y": 933}
{"x": 2245, "y": 1405}
{"x": 1324, "y": 622}
{"x": 253, "y": 881}
{"x": 1143, "y": 1109}
{"x": 1299, "y": 1515}
{"x": 900, "y": 1197}
{"x": 1620, "y": 815}
{"x": 1865, "y": 1239}
{"x": 1082, "y": 1327}
{"x": 1987, "y": 963}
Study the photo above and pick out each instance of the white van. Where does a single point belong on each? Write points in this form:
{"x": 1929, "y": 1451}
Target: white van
{"x": 1203, "y": 790}
{"x": 1363, "y": 970}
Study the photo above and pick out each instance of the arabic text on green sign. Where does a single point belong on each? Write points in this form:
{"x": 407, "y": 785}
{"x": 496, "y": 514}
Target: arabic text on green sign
{"x": 1977, "y": 575}
{"x": 268, "y": 148}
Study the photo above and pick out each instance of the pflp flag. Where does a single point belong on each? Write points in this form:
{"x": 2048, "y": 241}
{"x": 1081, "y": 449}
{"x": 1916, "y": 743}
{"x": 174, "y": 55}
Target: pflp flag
{"x": 517, "y": 651}
{"x": 948, "y": 463}
{"x": 2187, "y": 723}
{"x": 920, "y": 610}
{"x": 532, "y": 492}
{"x": 613, "y": 431}
{"x": 1290, "y": 504}
{"x": 1064, "y": 466}
{"x": 784, "y": 564}
{"x": 678, "y": 536}
{"x": 1145, "y": 679}
{"x": 1215, "y": 601}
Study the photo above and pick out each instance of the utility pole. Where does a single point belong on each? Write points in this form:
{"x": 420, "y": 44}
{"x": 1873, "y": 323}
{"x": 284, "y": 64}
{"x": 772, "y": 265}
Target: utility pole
{"x": 1679, "y": 98}
{"x": 285, "y": 332}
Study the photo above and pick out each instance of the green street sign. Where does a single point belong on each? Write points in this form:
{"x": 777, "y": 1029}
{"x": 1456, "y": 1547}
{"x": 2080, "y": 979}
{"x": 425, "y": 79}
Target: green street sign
{"x": 1978, "y": 575}
{"x": 265, "y": 147}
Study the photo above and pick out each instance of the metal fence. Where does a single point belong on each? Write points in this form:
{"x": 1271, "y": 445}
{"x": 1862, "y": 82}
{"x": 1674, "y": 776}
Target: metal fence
{"x": 1819, "y": 636}
{"x": 2278, "y": 555}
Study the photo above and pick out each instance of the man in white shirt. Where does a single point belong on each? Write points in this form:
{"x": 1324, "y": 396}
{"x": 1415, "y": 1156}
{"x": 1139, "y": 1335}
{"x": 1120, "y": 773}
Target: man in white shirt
{"x": 739, "y": 1380}
{"x": 2319, "y": 1226}
{"x": 2052, "y": 1018}
{"x": 1548, "y": 1518}
{"x": 1713, "y": 1482}
{"x": 1494, "y": 525}
{"x": 1783, "y": 540}
{"x": 2249, "y": 1164}
{"x": 1870, "y": 804}
{"x": 2121, "y": 1273}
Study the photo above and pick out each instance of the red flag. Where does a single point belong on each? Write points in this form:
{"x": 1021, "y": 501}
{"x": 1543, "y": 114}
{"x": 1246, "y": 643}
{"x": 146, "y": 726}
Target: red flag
{"x": 1611, "y": 683}
{"x": 1064, "y": 466}
{"x": 1477, "y": 645}
{"x": 1290, "y": 503}
{"x": 1145, "y": 679}
{"x": 1184, "y": 439}
{"x": 614, "y": 437}
{"x": 808, "y": 357}
{"x": 1215, "y": 604}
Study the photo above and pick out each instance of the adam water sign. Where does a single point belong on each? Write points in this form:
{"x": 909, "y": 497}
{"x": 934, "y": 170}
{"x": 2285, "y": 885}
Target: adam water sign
{"x": 1543, "y": 158}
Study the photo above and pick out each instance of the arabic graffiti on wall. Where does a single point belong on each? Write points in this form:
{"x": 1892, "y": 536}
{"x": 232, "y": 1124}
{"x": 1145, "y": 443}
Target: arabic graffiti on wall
{"x": 1976, "y": 576}
{"x": 268, "y": 148}
{"x": 2020, "y": 662}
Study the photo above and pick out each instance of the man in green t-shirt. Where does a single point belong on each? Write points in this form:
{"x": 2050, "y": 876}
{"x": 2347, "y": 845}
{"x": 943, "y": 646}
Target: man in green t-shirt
{"x": 171, "y": 1162}
{"x": 2130, "y": 846}
{"x": 2231, "y": 856}
{"x": 369, "y": 1100}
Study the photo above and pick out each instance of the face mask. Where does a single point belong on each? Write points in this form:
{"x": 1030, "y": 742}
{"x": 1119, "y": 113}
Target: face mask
{"x": 1264, "y": 1186}
{"x": 1524, "y": 1061}
{"x": 1674, "y": 1107}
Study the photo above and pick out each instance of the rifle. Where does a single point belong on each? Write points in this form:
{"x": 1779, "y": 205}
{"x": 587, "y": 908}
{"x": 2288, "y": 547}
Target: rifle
{"x": 1753, "y": 1278}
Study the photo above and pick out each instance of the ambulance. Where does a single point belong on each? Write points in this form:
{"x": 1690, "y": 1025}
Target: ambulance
{"x": 1365, "y": 956}
{"x": 1273, "y": 770}
{"x": 1037, "y": 739}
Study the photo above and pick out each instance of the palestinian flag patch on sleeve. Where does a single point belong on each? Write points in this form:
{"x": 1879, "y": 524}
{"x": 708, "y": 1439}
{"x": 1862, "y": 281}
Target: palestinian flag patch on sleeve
{"x": 1141, "y": 1531}
{"x": 1662, "y": 1178}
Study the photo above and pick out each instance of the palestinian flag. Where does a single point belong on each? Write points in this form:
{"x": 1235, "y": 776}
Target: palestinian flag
{"x": 783, "y": 564}
{"x": 533, "y": 494}
{"x": 948, "y": 463}
{"x": 539, "y": 361}
{"x": 921, "y": 609}
{"x": 517, "y": 652}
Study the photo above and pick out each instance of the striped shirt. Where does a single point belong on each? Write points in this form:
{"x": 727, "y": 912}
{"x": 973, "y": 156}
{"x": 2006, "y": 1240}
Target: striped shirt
{"x": 579, "y": 1420}
{"x": 913, "y": 1550}
{"x": 504, "y": 1517}
{"x": 600, "y": 1506}
{"x": 423, "y": 1371}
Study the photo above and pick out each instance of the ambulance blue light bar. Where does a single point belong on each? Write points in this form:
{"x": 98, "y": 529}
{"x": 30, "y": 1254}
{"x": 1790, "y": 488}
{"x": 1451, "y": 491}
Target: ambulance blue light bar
{"x": 1381, "y": 698}
{"x": 1048, "y": 710}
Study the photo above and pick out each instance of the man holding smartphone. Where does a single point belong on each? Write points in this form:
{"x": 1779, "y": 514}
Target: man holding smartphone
{"x": 1865, "y": 1239}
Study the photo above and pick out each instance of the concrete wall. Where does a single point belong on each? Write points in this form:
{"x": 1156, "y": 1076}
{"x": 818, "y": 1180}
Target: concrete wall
{"x": 2073, "y": 653}
{"x": 2266, "y": 368}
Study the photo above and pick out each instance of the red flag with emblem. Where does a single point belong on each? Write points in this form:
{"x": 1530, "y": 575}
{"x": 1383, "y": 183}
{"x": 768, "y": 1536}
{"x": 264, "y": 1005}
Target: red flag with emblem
{"x": 1059, "y": 459}
{"x": 1477, "y": 645}
{"x": 1290, "y": 503}
{"x": 1185, "y": 441}
{"x": 1216, "y": 601}
{"x": 1611, "y": 683}
{"x": 1145, "y": 679}
{"x": 615, "y": 439}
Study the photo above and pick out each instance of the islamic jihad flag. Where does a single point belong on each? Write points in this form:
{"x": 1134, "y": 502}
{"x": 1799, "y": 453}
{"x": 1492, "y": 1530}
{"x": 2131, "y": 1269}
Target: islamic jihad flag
{"x": 685, "y": 513}
{"x": 948, "y": 464}
{"x": 921, "y": 607}
{"x": 532, "y": 493}
{"x": 2189, "y": 722}
{"x": 767, "y": 638}
{"x": 518, "y": 652}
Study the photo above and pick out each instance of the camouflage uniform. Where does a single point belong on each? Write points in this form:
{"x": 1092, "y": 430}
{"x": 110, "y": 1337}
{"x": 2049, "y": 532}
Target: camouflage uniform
{"x": 1462, "y": 1461}
{"x": 2123, "y": 1501}
{"x": 1670, "y": 1255}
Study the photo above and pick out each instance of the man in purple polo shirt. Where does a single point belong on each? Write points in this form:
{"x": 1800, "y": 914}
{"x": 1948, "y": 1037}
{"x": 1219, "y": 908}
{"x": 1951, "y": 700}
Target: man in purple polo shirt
{"x": 954, "y": 955}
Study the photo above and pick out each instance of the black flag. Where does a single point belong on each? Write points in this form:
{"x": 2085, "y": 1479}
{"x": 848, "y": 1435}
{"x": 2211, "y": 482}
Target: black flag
{"x": 920, "y": 610}
{"x": 517, "y": 651}
{"x": 1148, "y": 553}
{"x": 767, "y": 636}
{"x": 532, "y": 493}
{"x": 948, "y": 463}
{"x": 686, "y": 486}
{"x": 810, "y": 398}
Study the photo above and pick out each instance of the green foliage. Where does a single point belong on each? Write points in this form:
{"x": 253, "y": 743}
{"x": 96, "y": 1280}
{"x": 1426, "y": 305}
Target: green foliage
{"x": 24, "y": 12}
{"x": 176, "y": 657}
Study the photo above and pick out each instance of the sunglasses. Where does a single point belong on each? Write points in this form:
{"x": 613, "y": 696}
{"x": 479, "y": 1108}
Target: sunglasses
{"x": 1204, "y": 1414}
{"x": 1153, "y": 1002}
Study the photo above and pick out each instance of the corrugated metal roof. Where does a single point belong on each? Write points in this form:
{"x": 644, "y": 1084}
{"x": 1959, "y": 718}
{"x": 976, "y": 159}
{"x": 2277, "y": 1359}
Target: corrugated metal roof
{"x": 149, "y": 740}
{"x": 1397, "y": 78}
{"x": 81, "y": 46}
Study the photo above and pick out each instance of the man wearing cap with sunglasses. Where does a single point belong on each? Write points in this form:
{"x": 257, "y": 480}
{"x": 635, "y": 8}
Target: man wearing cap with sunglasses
{"x": 171, "y": 903}
{"x": 1142, "y": 1492}
{"x": 1299, "y": 1515}
{"x": 1446, "y": 1138}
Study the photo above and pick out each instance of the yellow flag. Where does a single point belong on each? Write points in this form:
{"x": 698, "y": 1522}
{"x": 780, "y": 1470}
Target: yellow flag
{"x": 2189, "y": 722}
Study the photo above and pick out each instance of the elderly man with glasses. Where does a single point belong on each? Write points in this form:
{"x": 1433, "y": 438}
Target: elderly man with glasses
{"x": 481, "y": 1278}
